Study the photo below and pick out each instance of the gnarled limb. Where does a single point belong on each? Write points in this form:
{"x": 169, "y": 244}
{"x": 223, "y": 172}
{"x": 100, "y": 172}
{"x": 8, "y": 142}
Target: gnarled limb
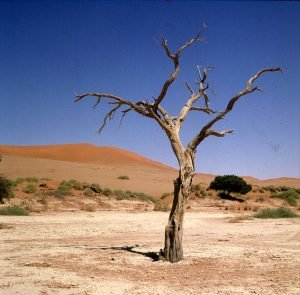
{"x": 175, "y": 59}
{"x": 204, "y": 132}
{"x": 189, "y": 105}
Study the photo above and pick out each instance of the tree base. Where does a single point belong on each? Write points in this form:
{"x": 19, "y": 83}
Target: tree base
{"x": 173, "y": 251}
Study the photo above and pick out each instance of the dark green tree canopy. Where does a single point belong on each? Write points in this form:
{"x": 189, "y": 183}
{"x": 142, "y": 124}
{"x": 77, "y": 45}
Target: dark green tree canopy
{"x": 5, "y": 189}
{"x": 230, "y": 183}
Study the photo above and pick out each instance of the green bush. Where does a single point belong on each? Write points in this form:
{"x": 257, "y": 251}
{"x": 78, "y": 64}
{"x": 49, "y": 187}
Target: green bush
{"x": 230, "y": 183}
{"x": 107, "y": 192}
{"x": 70, "y": 184}
{"x": 13, "y": 210}
{"x": 122, "y": 195}
{"x": 30, "y": 189}
{"x": 123, "y": 177}
{"x": 6, "y": 189}
{"x": 290, "y": 196}
{"x": 275, "y": 213}
{"x": 144, "y": 197}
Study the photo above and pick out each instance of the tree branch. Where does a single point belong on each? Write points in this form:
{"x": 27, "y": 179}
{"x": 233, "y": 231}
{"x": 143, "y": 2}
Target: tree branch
{"x": 205, "y": 110}
{"x": 219, "y": 134}
{"x": 175, "y": 59}
{"x": 203, "y": 85}
{"x": 205, "y": 131}
{"x": 139, "y": 107}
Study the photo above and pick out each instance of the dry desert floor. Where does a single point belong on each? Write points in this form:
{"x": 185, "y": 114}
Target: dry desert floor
{"x": 111, "y": 252}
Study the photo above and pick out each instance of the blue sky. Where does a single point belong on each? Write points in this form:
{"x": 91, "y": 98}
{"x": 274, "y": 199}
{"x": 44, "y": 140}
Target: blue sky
{"x": 50, "y": 50}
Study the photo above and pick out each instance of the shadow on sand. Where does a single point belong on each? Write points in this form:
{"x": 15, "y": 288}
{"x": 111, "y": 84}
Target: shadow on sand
{"x": 153, "y": 255}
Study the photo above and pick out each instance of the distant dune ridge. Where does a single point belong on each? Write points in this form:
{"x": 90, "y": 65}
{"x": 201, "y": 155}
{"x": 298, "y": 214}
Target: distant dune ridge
{"x": 103, "y": 165}
{"x": 82, "y": 153}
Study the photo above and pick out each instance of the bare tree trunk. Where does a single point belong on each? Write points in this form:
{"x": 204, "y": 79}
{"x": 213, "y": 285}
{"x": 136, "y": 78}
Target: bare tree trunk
{"x": 173, "y": 251}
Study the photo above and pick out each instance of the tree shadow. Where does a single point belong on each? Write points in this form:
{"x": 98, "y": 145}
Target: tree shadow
{"x": 225, "y": 196}
{"x": 152, "y": 255}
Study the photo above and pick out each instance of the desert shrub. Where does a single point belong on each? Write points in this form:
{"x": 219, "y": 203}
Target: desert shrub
{"x": 17, "y": 181}
{"x": 13, "y": 210}
{"x": 88, "y": 192}
{"x": 196, "y": 187}
{"x": 32, "y": 179}
{"x": 271, "y": 188}
{"x": 59, "y": 194}
{"x": 96, "y": 188}
{"x": 290, "y": 196}
{"x": 107, "y": 192}
{"x": 123, "y": 177}
{"x": 230, "y": 183}
{"x": 30, "y": 189}
{"x": 164, "y": 195}
{"x": 260, "y": 199}
{"x": 122, "y": 195}
{"x": 284, "y": 188}
{"x": 144, "y": 197}
{"x": 6, "y": 189}
{"x": 275, "y": 213}
{"x": 88, "y": 208}
{"x": 70, "y": 184}
{"x": 161, "y": 206}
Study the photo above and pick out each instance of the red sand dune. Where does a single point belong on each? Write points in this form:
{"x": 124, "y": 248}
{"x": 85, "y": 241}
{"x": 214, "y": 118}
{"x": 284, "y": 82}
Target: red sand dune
{"x": 103, "y": 163}
{"x": 82, "y": 153}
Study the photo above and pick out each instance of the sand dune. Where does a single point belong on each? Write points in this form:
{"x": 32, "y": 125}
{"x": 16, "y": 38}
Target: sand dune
{"x": 82, "y": 153}
{"x": 102, "y": 165}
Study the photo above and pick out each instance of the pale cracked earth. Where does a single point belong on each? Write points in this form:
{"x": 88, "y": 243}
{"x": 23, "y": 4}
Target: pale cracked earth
{"x": 90, "y": 253}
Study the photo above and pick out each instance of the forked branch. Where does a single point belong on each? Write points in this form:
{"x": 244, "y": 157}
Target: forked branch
{"x": 205, "y": 131}
{"x": 117, "y": 102}
{"x": 175, "y": 59}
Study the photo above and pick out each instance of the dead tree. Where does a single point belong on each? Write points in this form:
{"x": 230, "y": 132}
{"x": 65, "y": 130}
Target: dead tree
{"x": 171, "y": 125}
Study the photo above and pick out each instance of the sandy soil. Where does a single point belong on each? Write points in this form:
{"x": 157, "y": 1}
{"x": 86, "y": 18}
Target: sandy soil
{"x": 90, "y": 253}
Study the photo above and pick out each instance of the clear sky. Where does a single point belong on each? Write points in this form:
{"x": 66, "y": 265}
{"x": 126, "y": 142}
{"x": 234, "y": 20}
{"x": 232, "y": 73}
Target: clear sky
{"x": 50, "y": 50}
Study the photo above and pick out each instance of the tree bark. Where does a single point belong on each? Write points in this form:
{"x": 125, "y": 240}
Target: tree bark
{"x": 173, "y": 251}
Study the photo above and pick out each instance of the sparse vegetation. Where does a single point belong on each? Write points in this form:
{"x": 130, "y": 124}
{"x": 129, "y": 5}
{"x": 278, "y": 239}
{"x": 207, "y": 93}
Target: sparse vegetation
{"x": 107, "y": 192}
{"x": 14, "y": 210}
{"x": 129, "y": 195}
{"x": 290, "y": 196}
{"x": 70, "y": 184}
{"x": 271, "y": 188}
{"x": 88, "y": 208}
{"x": 6, "y": 189}
{"x": 96, "y": 188}
{"x": 161, "y": 206}
{"x": 199, "y": 191}
{"x": 276, "y": 213}
{"x": 88, "y": 192}
{"x": 164, "y": 195}
{"x": 123, "y": 177}
{"x": 260, "y": 199}
{"x": 239, "y": 218}
{"x": 25, "y": 179}
{"x": 30, "y": 189}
